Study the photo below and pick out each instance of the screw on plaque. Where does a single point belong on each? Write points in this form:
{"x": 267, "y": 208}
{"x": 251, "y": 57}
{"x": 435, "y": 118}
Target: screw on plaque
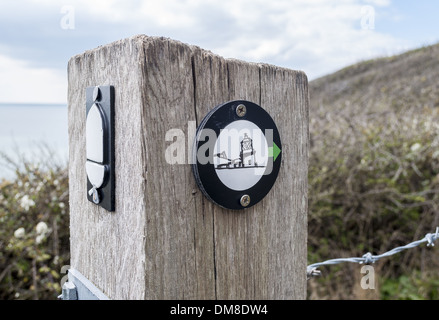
{"x": 245, "y": 200}
{"x": 241, "y": 110}
{"x": 93, "y": 191}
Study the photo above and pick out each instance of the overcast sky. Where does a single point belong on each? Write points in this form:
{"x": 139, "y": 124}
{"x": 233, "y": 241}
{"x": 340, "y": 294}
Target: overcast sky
{"x": 38, "y": 37}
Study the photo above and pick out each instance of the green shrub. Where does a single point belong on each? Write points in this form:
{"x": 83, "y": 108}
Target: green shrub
{"x": 373, "y": 186}
{"x": 416, "y": 286}
{"x": 34, "y": 233}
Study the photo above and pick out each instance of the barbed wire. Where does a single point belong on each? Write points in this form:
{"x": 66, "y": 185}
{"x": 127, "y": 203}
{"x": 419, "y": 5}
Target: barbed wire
{"x": 368, "y": 258}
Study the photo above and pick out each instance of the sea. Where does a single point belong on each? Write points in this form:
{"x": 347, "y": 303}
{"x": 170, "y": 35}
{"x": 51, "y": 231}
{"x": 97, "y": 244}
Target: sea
{"x": 32, "y": 132}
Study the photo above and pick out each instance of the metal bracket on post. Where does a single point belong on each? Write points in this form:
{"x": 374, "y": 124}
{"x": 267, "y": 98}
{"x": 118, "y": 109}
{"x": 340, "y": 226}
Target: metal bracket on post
{"x": 79, "y": 287}
{"x": 69, "y": 291}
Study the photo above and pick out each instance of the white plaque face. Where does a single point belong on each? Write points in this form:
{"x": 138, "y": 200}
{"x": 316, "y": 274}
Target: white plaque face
{"x": 95, "y": 135}
{"x": 241, "y": 155}
{"x": 95, "y": 173}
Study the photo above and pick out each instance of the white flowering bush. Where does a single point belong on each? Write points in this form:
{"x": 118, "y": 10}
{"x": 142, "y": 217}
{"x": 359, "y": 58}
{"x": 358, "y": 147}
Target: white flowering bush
{"x": 34, "y": 234}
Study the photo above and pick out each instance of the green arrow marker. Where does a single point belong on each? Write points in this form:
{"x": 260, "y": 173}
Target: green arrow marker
{"x": 274, "y": 151}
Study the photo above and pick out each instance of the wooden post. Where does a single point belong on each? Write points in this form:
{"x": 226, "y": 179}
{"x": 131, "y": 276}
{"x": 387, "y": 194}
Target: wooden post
{"x": 165, "y": 240}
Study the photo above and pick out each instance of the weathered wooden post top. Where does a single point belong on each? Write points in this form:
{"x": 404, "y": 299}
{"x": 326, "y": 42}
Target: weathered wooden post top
{"x": 188, "y": 174}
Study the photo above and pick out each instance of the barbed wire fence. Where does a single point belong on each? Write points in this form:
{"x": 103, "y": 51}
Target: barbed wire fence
{"x": 368, "y": 258}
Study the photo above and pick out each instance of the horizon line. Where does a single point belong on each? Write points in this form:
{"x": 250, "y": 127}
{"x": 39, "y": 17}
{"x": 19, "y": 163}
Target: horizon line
{"x": 34, "y": 103}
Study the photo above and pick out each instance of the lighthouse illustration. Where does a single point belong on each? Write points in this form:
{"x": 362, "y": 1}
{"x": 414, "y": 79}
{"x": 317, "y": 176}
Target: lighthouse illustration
{"x": 246, "y": 160}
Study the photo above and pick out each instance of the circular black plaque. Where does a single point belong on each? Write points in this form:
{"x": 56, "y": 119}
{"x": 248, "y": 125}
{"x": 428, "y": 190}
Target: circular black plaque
{"x": 237, "y": 154}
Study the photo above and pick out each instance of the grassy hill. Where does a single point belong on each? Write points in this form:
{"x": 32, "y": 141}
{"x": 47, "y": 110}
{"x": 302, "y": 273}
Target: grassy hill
{"x": 407, "y": 80}
{"x": 374, "y": 175}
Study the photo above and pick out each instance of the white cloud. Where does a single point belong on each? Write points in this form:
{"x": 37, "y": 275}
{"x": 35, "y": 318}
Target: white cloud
{"x": 381, "y": 3}
{"x": 23, "y": 84}
{"x": 317, "y": 36}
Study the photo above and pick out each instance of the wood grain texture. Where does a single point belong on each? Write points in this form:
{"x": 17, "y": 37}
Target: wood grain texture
{"x": 109, "y": 247}
{"x": 166, "y": 240}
